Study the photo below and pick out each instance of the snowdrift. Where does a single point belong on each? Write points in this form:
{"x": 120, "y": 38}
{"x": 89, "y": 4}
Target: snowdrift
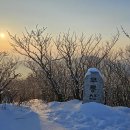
{"x": 71, "y": 115}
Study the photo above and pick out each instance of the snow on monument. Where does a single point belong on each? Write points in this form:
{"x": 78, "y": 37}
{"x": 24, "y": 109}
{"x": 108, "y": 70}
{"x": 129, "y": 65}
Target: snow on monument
{"x": 93, "y": 86}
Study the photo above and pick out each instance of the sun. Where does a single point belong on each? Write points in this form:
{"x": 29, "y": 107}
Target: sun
{"x": 2, "y": 35}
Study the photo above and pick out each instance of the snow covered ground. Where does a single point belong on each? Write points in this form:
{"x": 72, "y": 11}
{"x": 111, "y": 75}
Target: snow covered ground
{"x": 71, "y": 115}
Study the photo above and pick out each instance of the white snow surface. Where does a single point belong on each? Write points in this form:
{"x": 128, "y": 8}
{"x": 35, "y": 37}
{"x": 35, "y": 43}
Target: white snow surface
{"x": 71, "y": 115}
{"x": 91, "y": 70}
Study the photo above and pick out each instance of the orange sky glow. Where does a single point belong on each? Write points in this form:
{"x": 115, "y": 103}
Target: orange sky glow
{"x": 88, "y": 16}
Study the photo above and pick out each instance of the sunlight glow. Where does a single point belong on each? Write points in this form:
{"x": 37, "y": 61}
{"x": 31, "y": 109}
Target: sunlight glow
{"x": 2, "y": 35}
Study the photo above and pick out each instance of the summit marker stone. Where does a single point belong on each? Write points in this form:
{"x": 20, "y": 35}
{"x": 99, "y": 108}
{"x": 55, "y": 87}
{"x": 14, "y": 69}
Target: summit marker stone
{"x": 93, "y": 86}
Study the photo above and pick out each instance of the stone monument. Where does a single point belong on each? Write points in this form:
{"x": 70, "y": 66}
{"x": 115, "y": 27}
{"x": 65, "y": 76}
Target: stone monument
{"x": 93, "y": 86}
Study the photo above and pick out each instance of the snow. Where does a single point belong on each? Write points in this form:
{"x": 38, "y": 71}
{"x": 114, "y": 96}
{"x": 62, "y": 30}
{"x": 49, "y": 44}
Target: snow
{"x": 92, "y": 70}
{"x": 71, "y": 115}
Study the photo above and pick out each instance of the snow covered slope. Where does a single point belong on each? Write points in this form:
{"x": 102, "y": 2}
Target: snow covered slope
{"x": 71, "y": 115}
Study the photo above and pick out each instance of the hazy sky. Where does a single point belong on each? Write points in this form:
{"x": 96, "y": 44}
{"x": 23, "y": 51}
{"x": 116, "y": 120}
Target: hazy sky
{"x": 88, "y": 16}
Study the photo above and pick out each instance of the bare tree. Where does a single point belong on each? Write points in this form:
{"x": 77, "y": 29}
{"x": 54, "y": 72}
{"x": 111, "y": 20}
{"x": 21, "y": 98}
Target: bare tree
{"x": 64, "y": 73}
{"x": 80, "y": 54}
{"x": 126, "y": 34}
{"x": 7, "y": 71}
{"x": 36, "y": 46}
